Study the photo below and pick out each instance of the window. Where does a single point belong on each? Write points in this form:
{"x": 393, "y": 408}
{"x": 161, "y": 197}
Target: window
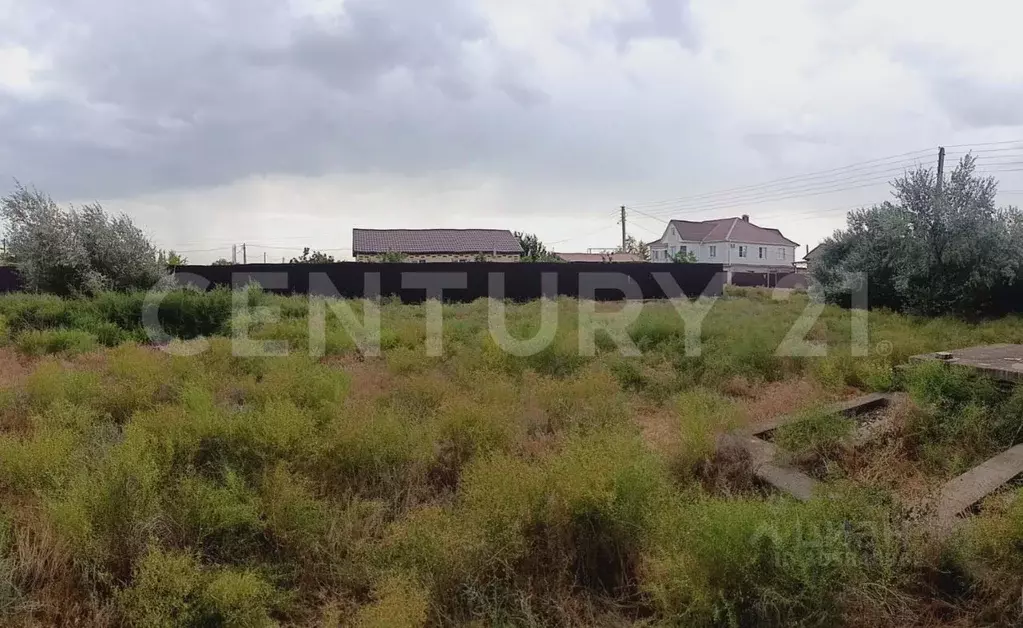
{"x": 683, "y": 249}
{"x": 673, "y": 250}
{"x": 713, "y": 251}
{"x": 657, "y": 254}
{"x": 763, "y": 252}
{"x": 781, "y": 253}
{"x": 742, "y": 250}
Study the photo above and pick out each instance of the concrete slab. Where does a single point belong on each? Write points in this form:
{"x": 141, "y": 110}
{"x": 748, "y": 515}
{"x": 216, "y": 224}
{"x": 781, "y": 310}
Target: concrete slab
{"x": 789, "y": 480}
{"x": 850, "y": 407}
{"x": 977, "y": 483}
{"x": 1001, "y": 361}
{"x": 785, "y": 479}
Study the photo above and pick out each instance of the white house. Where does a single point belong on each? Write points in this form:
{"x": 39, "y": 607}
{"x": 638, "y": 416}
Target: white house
{"x": 738, "y": 244}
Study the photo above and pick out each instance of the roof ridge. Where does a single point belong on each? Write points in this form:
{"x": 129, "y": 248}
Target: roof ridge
{"x": 730, "y": 230}
{"x": 434, "y": 229}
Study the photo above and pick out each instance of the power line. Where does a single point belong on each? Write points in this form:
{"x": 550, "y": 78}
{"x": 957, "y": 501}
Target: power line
{"x": 903, "y": 157}
{"x": 658, "y": 234}
{"x": 830, "y": 188}
{"x": 986, "y": 150}
{"x": 984, "y": 143}
{"x": 883, "y": 171}
{"x": 578, "y": 237}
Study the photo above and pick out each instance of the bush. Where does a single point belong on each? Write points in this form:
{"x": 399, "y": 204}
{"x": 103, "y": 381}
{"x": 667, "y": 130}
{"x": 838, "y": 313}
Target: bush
{"x": 399, "y": 603}
{"x": 703, "y": 416}
{"x": 779, "y": 562}
{"x": 75, "y": 251}
{"x": 963, "y": 417}
{"x": 814, "y": 432}
{"x": 67, "y": 342}
{"x": 172, "y": 589}
{"x": 37, "y": 463}
{"x": 221, "y": 516}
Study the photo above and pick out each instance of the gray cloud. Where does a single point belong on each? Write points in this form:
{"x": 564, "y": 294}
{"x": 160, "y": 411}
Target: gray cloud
{"x": 179, "y": 94}
{"x": 978, "y": 104}
{"x": 668, "y": 19}
{"x": 170, "y": 95}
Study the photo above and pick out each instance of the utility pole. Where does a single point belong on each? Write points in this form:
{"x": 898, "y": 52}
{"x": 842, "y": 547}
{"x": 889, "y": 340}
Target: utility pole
{"x": 623, "y": 229}
{"x": 941, "y": 167}
{"x": 264, "y": 257}
{"x": 234, "y": 253}
{"x": 245, "y": 257}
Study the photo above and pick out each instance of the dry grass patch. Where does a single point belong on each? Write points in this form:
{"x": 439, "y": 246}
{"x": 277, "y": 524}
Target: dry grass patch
{"x": 773, "y": 399}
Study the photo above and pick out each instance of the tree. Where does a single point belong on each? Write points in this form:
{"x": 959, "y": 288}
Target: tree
{"x": 635, "y": 247}
{"x": 77, "y": 250}
{"x": 312, "y": 257}
{"x": 393, "y": 257}
{"x": 170, "y": 258}
{"x": 929, "y": 252}
{"x": 533, "y": 250}
{"x": 684, "y": 257}
{"x": 223, "y": 262}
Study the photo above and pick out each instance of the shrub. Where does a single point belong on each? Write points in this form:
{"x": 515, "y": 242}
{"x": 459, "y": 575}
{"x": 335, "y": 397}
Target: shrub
{"x": 37, "y": 463}
{"x": 376, "y": 453}
{"x": 172, "y": 589}
{"x": 963, "y": 416}
{"x": 815, "y": 431}
{"x": 108, "y": 510}
{"x": 238, "y": 598}
{"x": 11, "y": 597}
{"x": 109, "y": 334}
{"x": 399, "y": 603}
{"x": 779, "y": 562}
{"x": 219, "y": 516}
{"x": 604, "y": 490}
{"x": 66, "y": 342}
{"x": 166, "y": 591}
{"x": 586, "y": 401}
{"x": 703, "y": 416}
{"x": 75, "y": 251}
{"x": 295, "y": 519}
{"x": 989, "y": 548}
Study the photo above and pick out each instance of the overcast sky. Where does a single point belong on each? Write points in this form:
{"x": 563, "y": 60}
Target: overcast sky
{"x": 285, "y": 124}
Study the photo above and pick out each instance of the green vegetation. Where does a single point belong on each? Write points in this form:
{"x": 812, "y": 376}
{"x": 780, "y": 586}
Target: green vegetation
{"x": 478, "y": 488}
{"x": 941, "y": 247}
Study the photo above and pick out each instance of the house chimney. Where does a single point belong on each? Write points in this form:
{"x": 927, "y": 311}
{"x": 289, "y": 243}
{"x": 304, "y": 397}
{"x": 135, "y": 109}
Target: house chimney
{"x": 745, "y": 217}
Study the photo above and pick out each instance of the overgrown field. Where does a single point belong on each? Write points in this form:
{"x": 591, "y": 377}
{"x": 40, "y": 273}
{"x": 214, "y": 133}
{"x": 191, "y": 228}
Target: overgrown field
{"x": 480, "y": 488}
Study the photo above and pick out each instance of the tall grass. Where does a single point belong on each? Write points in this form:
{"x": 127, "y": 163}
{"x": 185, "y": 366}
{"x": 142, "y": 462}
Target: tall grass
{"x": 474, "y": 488}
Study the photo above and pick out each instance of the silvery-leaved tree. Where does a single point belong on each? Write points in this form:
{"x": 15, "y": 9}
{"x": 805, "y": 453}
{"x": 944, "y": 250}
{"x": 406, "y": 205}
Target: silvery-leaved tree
{"x": 75, "y": 250}
{"x": 932, "y": 250}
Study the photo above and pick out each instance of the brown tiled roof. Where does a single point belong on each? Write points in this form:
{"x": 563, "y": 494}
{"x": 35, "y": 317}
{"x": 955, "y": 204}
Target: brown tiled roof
{"x": 434, "y": 241}
{"x": 600, "y": 257}
{"x": 728, "y": 230}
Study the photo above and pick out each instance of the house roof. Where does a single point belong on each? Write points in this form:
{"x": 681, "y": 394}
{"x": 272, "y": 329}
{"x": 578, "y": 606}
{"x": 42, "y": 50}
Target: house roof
{"x": 727, "y": 230}
{"x": 600, "y": 257}
{"x": 813, "y": 251}
{"x": 434, "y": 241}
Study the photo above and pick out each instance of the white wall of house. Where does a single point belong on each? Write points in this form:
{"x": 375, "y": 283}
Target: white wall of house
{"x": 734, "y": 253}
{"x": 759, "y": 255}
